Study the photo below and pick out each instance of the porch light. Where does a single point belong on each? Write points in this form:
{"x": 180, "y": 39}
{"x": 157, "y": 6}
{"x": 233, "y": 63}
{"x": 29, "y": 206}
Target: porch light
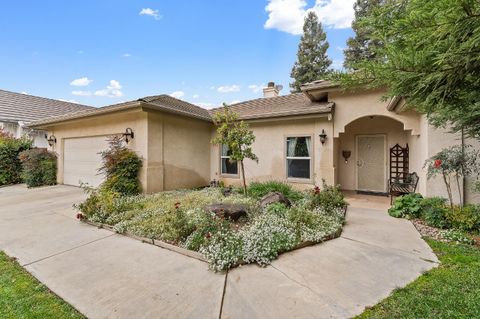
{"x": 128, "y": 133}
{"x": 346, "y": 155}
{"x": 52, "y": 140}
{"x": 323, "y": 137}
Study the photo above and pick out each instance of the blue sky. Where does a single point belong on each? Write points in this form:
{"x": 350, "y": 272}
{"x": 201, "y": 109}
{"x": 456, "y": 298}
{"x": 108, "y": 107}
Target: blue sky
{"x": 101, "y": 52}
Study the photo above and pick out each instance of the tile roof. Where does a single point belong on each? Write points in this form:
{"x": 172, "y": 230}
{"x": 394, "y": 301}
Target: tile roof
{"x": 287, "y": 105}
{"x": 28, "y": 108}
{"x": 284, "y": 105}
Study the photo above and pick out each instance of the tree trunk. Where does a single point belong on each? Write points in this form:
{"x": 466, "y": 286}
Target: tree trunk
{"x": 457, "y": 176}
{"x": 449, "y": 189}
{"x": 243, "y": 178}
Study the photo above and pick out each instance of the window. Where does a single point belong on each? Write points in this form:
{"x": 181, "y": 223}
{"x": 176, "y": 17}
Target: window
{"x": 229, "y": 166}
{"x": 299, "y": 157}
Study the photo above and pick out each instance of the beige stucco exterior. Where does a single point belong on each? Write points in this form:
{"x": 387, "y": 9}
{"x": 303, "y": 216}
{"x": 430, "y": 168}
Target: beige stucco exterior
{"x": 177, "y": 152}
{"x": 167, "y": 145}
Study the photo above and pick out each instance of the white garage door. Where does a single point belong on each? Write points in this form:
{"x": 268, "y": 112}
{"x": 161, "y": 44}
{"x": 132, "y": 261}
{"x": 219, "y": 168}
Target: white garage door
{"x": 81, "y": 160}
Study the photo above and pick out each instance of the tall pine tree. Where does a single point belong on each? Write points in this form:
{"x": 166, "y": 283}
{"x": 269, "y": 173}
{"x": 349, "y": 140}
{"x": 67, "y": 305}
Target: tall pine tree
{"x": 361, "y": 47}
{"x": 312, "y": 60}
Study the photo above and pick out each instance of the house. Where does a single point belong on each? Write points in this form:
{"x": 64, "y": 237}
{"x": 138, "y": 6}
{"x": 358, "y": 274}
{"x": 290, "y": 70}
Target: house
{"x": 17, "y": 110}
{"x": 322, "y": 133}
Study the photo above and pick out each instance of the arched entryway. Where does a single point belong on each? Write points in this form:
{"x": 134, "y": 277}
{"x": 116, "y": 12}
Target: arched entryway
{"x": 362, "y": 153}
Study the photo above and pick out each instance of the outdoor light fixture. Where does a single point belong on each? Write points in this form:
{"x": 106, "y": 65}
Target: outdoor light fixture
{"x": 346, "y": 155}
{"x": 52, "y": 140}
{"x": 323, "y": 137}
{"x": 128, "y": 133}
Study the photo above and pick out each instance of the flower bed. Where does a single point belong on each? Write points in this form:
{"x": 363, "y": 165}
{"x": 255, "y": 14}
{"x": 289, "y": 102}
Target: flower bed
{"x": 179, "y": 218}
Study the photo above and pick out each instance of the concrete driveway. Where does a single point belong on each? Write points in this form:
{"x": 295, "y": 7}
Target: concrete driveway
{"x": 105, "y": 275}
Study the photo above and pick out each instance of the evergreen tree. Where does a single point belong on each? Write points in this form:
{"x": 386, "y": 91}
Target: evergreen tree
{"x": 312, "y": 60}
{"x": 362, "y": 46}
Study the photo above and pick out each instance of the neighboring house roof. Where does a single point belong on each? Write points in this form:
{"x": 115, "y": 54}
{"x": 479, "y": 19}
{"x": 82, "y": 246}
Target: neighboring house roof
{"x": 280, "y": 106}
{"x": 287, "y": 105}
{"x": 16, "y": 107}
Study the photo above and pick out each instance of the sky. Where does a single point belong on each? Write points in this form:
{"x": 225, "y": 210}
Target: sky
{"x": 102, "y": 52}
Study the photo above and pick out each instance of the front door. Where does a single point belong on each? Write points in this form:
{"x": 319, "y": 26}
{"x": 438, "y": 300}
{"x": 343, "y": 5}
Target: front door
{"x": 371, "y": 163}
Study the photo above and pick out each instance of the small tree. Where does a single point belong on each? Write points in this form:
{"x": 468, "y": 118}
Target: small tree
{"x": 236, "y": 136}
{"x": 312, "y": 60}
{"x": 456, "y": 161}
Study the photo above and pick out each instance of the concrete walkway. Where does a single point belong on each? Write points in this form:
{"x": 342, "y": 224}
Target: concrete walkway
{"x": 105, "y": 275}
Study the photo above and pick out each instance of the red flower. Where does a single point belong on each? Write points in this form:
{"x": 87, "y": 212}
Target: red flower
{"x": 316, "y": 190}
{"x": 208, "y": 235}
{"x": 437, "y": 163}
{"x": 177, "y": 205}
{"x": 80, "y": 216}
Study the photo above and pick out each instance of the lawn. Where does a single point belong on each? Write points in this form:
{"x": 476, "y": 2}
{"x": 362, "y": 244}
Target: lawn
{"x": 184, "y": 218}
{"x": 450, "y": 291}
{"x": 22, "y": 296}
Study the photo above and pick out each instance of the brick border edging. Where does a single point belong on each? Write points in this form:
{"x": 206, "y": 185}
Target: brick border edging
{"x": 197, "y": 255}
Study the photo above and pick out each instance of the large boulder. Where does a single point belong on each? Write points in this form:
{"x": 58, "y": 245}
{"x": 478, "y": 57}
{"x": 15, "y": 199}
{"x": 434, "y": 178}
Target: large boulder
{"x": 274, "y": 197}
{"x": 231, "y": 211}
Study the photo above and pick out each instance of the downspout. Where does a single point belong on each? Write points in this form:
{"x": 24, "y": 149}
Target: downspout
{"x": 464, "y": 179}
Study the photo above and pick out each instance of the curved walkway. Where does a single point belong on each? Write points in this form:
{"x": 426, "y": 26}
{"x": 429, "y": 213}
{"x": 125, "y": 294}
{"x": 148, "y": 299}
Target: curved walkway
{"x": 105, "y": 275}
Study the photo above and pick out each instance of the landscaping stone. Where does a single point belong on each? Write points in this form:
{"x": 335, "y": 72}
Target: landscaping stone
{"x": 427, "y": 231}
{"x": 231, "y": 211}
{"x": 274, "y": 197}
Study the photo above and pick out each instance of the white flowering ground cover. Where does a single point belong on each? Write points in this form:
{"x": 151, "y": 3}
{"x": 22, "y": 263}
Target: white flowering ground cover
{"x": 179, "y": 218}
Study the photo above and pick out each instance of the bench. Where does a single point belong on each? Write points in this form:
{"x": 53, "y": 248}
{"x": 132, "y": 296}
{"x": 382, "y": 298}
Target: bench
{"x": 402, "y": 185}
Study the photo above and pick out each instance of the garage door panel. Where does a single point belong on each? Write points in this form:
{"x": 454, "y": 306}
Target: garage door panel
{"x": 82, "y": 159}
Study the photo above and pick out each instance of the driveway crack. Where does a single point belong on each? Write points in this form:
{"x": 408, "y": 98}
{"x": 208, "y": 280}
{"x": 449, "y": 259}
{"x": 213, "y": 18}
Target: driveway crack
{"x": 223, "y": 295}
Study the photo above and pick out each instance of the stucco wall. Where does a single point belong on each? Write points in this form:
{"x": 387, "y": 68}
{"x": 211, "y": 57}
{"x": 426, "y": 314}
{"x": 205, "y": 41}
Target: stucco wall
{"x": 270, "y": 147}
{"x": 104, "y": 125}
{"x": 365, "y": 126}
{"x": 350, "y": 106}
{"x": 178, "y": 152}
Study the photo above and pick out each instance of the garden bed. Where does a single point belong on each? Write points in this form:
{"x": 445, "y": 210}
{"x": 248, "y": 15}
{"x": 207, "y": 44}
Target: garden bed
{"x": 181, "y": 221}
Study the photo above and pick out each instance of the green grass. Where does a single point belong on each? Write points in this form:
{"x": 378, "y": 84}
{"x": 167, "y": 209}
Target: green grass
{"x": 22, "y": 296}
{"x": 450, "y": 291}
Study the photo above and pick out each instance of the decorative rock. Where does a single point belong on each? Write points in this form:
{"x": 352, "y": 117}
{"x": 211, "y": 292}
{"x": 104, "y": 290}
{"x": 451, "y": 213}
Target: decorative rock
{"x": 274, "y": 197}
{"x": 230, "y": 211}
{"x": 227, "y": 191}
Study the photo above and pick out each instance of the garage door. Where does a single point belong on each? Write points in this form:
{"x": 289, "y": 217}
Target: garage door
{"x": 81, "y": 160}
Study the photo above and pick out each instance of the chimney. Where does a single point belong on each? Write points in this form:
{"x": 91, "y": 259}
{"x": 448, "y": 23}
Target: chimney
{"x": 271, "y": 90}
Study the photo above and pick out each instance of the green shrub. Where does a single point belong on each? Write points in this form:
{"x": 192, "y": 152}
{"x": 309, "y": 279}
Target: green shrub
{"x": 407, "y": 206}
{"x": 259, "y": 189}
{"x": 10, "y": 165}
{"x": 466, "y": 218}
{"x": 205, "y": 226}
{"x": 39, "y": 167}
{"x": 434, "y": 212}
{"x": 121, "y": 167}
{"x": 329, "y": 198}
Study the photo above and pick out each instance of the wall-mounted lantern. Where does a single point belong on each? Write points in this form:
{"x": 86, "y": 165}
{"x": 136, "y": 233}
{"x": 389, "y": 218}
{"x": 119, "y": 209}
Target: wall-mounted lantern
{"x": 323, "y": 137}
{"x": 52, "y": 140}
{"x": 346, "y": 155}
{"x": 128, "y": 134}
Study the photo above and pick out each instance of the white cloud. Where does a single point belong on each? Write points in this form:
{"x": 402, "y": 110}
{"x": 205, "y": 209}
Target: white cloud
{"x": 126, "y": 55}
{"x": 113, "y": 89}
{"x": 81, "y": 82}
{"x": 205, "y": 105}
{"x": 70, "y": 101}
{"x": 24, "y": 92}
{"x": 196, "y": 96}
{"x": 256, "y": 88}
{"x": 82, "y": 93}
{"x": 177, "y": 94}
{"x": 288, "y": 15}
{"x": 234, "y": 102}
{"x": 337, "y": 14}
{"x": 337, "y": 64}
{"x": 150, "y": 12}
{"x": 228, "y": 88}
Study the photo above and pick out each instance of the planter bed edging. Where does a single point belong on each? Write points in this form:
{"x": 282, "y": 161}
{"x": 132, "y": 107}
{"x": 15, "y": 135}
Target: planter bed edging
{"x": 197, "y": 255}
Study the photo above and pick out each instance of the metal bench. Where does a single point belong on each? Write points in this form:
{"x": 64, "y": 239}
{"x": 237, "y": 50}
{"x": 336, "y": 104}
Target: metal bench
{"x": 402, "y": 185}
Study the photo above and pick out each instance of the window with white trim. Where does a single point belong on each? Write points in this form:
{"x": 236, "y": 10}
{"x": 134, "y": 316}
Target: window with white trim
{"x": 299, "y": 157}
{"x": 228, "y": 166}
